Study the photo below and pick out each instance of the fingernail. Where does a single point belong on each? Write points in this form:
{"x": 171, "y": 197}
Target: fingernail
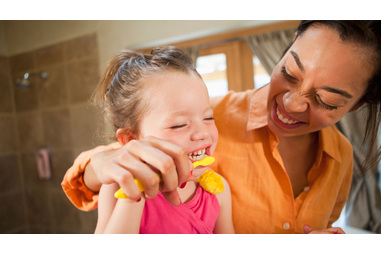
{"x": 138, "y": 200}
{"x": 183, "y": 185}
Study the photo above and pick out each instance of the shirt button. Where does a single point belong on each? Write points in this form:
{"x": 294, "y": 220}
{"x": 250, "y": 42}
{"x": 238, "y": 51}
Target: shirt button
{"x": 307, "y": 188}
{"x": 286, "y": 225}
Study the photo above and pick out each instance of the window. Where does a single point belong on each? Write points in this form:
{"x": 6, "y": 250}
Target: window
{"x": 212, "y": 68}
{"x": 230, "y": 66}
{"x": 261, "y": 77}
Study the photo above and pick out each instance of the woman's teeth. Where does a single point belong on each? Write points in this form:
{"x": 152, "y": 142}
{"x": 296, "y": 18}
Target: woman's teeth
{"x": 196, "y": 156}
{"x": 284, "y": 119}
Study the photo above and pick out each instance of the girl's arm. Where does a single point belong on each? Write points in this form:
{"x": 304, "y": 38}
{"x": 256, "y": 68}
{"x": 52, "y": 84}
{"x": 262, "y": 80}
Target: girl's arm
{"x": 117, "y": 216}
{"x": 224, "y": 223}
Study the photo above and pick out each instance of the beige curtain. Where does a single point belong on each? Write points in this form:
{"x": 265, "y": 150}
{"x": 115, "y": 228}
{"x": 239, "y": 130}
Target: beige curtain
{"x": 193, "y": 53}
{"x": 363, "y": 208}
{"x": 269, "y": 47}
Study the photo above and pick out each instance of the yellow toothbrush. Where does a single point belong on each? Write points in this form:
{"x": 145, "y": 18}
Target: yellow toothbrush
{"x": 203, "y": 162}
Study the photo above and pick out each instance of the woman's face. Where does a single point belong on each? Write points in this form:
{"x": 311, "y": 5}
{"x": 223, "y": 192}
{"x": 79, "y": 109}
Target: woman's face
{"x": 316, "y": 83}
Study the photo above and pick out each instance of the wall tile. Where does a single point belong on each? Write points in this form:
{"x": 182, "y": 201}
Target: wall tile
{"x": 68, "y": 218}
{"x": 9, "y": 175}
{"x": 4, "y": 67}
{"x": 26, "y": 99}
{"x": 61, "y": 160}
{"x": 30, "y": 132}
{"x": 54, "y": 113}
{"x": 88, "y": 222}
{"x": 12, "y": 213}
{"x": 7, "y": 135}
{"x": 86, "y": 122}
{"x": 39, "y": 209}
{"x": 31, "y": 179}
{"x": 83, "y": 77}
{"x": 82, "y": 47}
{"x": 51, "y": 55}
{"x": 5, "y": 89}
{"x": 5, "y": 95}
{"x": 52, "y": 91}
{"x": 22, "y": 62}
{"x": 56, "y": 128}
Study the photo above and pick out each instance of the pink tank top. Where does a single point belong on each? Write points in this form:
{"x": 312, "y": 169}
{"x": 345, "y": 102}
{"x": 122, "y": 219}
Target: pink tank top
{"x": 198, "y": 216}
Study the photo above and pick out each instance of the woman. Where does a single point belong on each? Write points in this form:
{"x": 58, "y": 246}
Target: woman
{"x": 286, "y": 163}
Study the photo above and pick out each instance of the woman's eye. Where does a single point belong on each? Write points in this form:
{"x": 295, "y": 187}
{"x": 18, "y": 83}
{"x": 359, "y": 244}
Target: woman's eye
{"x": 288, "y": 76}
{"x": 323, "y": 104}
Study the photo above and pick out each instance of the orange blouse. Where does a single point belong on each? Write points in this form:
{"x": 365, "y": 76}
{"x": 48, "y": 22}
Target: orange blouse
{"x": 247, "y": 156}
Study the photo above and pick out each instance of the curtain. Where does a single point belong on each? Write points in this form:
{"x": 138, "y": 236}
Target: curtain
{"x": 193, "y": 53}
{"x": 269, "y": 47}
{"x": 363, "y": 208}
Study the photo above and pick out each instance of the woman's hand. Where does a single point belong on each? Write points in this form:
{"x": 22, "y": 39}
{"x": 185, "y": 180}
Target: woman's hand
{"x": 308, "y": 230}
{"x": 141, "y": 159}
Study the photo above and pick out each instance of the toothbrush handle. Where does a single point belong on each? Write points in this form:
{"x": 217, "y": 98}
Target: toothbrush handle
{"x": 120, "y": 193}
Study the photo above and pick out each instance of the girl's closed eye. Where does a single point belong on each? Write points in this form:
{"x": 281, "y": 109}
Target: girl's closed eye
{"x": 178, "y": 126}
{"x": 211, "y": 118}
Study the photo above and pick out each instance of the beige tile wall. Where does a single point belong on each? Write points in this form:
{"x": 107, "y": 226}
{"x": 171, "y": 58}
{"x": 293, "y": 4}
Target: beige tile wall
{"x": 54, "y": 113}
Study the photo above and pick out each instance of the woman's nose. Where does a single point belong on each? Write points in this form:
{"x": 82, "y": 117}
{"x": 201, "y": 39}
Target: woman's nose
{"x": 294, "y": 101}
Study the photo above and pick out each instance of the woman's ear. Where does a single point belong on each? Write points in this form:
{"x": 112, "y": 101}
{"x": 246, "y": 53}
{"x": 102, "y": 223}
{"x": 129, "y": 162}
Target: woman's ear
{"x": 296, "y": 35}
{"x": 124, "y": 136}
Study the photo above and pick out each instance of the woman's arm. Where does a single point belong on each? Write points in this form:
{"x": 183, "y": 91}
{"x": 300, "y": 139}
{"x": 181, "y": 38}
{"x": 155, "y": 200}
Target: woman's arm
{"x": 224, "y": 223}
{"x": 73, "y": 185}
{"x": 117, "y": 216}
{"x": 121, "y": 164}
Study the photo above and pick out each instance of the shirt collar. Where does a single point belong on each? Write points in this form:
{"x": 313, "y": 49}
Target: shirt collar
{"x": 328, "y": 140}
{"x": 258, "y": 119}
{"x": 258, "y": 109}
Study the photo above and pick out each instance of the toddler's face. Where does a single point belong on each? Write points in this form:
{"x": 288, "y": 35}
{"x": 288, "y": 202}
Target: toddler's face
{"x": 179, "y": 111}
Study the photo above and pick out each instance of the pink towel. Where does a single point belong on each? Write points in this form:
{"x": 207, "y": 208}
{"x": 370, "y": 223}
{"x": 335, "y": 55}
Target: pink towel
{"x": 43, "y": 163}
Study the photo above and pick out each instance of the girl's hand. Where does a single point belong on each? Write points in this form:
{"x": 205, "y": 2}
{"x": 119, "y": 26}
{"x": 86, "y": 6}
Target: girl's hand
{"x": 309, "y": 230}
{"x": 141, "y": 159}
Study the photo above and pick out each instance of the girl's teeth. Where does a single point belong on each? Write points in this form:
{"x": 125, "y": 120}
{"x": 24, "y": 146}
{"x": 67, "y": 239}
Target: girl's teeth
{"x": 198, "y": 155}
{"x": 284, "y": 119}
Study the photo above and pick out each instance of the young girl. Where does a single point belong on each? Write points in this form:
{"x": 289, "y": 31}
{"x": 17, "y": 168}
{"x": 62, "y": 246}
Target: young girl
{"x": 161, "y": 95}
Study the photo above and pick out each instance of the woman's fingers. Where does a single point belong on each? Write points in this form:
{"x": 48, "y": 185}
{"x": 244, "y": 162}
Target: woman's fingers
{"x": 128, "y": 168}
{"x": 158, "y": 164}
{"x": 167, "y": 158}
{"x": 126, "y": 181}
{"x": 336, "y": 230}
{"x": 178, "y": 156}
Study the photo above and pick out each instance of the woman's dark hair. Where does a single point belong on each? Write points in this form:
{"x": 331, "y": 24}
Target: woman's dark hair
{"x": 120, "y": 91}
{"x": 367, "y": 34}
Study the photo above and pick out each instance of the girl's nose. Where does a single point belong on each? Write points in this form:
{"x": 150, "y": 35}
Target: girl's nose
{"x": 294, "y": 101}
{"x": 200, "y": 132}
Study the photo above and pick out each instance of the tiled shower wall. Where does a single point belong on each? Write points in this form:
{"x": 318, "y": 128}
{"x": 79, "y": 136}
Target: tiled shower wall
{"x": 55, "y": 113}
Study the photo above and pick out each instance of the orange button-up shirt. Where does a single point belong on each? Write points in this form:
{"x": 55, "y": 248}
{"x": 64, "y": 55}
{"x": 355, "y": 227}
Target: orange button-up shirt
{"x": 262, "y": 196}
{"x": 247, "y": 156}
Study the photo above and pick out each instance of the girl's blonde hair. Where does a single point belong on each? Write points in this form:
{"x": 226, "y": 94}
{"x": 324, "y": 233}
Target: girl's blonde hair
{"x": 120, "y": 92}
